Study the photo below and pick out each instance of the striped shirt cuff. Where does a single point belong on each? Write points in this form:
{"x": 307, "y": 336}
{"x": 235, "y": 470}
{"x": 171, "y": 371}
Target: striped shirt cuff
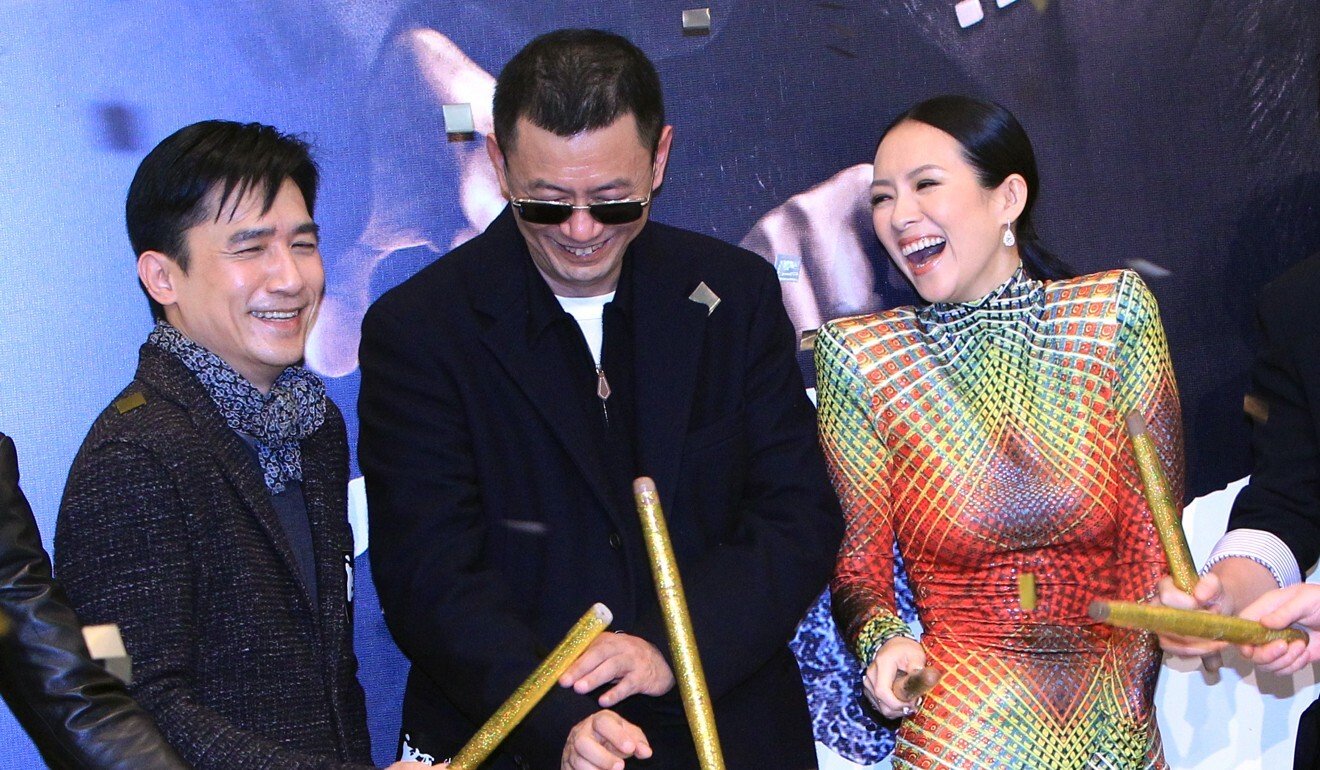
{"x": 1262, "y": 547}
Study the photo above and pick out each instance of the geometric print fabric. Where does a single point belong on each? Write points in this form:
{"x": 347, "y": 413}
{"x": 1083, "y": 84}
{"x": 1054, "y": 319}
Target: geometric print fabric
{"x": 987, "y": 441}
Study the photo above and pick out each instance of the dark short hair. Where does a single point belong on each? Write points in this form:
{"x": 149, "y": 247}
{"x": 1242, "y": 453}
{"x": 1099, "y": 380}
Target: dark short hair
{"x": 575, "y": 80}
{"x": 170, "y": 191}
{"x": 995, "y": 144}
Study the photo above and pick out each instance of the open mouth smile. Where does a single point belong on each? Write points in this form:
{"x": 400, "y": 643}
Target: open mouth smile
{"x": 581, "y": 252}
{"x": 921, "y": 251}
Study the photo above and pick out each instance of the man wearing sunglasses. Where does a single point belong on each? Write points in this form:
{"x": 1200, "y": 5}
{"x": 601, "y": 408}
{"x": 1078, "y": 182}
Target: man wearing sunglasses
{"x": 512, "y": 390}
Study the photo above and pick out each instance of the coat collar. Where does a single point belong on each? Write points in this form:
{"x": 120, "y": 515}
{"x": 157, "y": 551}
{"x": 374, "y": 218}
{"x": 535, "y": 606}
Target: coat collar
{"x": 173, "y": 381}
{"x": 668, "y": 334}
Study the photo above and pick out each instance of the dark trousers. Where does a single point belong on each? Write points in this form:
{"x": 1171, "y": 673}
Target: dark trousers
{"x": 1307, "y": 755}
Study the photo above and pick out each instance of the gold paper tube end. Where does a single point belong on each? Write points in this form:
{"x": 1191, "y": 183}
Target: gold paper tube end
{"x": 602, "y": 613}
{"x": 1136, "y": 424}
{"x": 1098, "y": 611}
{"x": 909, "y": 687}
{"x": 643, "y": 486}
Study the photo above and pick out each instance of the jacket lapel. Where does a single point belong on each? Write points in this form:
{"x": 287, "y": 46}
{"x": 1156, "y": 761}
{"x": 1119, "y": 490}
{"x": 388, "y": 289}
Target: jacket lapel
{"x": 231, "y": 454}
{"x": 501, "y": 294}
{"x": 325, "y": 488}
{"x": 669, "y": 329}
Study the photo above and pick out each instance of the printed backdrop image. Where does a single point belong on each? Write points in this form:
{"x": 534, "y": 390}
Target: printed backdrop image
{"x": 1180, "y": 138}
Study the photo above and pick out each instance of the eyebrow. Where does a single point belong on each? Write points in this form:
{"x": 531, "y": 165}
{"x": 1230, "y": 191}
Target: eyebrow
{"x": 914, "y": 172}
{"x": 266, "y": 232}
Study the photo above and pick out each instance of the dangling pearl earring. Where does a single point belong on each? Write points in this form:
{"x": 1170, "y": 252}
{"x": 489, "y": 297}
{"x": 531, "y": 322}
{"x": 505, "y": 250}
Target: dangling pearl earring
{"x": 1009, "y": 240}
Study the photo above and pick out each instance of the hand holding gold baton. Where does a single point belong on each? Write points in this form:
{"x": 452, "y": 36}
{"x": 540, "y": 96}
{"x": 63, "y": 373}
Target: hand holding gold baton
{"x": 533, "y": 689}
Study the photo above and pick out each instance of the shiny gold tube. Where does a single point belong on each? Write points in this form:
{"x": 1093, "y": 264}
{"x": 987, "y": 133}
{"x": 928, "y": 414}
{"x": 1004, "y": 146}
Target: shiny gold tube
{"x": 1162, "y": 507}
{"x": 678, "y": 626}
{"x": 1195, "y": 623}
{"x": 533, "y": 689}
{"x": 909, "y": 687}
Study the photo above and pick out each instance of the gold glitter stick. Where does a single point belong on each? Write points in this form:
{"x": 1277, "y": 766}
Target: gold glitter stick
{"x": 533, "y": 689}
{"x": 678, "y": 626}
{"x": 1165, "y": 515}
{"x": 1196, "y": 623}
{"x": 1162, "y": 508}
{"x": 909, "y": 687}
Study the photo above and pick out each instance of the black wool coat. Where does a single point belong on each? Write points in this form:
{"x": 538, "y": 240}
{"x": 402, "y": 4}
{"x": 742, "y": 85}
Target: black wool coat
{"x": 495, "y": 522}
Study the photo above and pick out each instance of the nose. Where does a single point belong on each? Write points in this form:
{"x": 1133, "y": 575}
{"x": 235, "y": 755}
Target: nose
{"x": 284, "y": 274}
{"x": 581, "y": 227}
{"x": 904, "y": 212}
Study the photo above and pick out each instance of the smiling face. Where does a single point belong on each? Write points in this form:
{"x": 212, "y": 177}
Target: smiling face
{"x": 580, "y": 257}
{"x": 253, "y": 284}
{"x": 941, "y": 227}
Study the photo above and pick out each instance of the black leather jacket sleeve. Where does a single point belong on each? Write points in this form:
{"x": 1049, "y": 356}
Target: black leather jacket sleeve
{"x": 78, "y": 715}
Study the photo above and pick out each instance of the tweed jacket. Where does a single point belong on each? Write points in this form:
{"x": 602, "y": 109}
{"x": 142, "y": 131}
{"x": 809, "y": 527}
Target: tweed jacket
{"x": 495, "y": 523}
{"x": 167, "y": 529}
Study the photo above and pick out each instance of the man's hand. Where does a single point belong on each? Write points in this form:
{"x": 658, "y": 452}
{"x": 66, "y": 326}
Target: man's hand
{"x": 634, "y": 663}
{"x": 1297, "y": 604}
{"x": 415, "y": 766}
{"x": 1208, "y": 594}
{"x": 603, "y": 741}
{"x": 897, "y": 654}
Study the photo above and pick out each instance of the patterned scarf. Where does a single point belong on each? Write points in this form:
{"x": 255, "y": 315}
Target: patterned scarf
{"x": 292, "y": 411}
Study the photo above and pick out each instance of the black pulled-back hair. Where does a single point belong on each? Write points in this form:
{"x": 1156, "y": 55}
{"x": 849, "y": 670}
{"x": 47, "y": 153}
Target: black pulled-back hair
{"x": 172, "y": 189}
{"x": 995, "y": 144}
{"x": 574, "y": 80}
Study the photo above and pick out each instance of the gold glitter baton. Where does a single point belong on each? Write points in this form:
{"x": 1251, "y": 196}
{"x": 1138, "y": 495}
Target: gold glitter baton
{"x": 1162, "y": 509}
{"x": 533, "y": 689}
{"x": 1164, "y": 512}
{"x": 1195, "y": 623}
{"x": 910, "y": 686}
{"x": 678, "y": 626}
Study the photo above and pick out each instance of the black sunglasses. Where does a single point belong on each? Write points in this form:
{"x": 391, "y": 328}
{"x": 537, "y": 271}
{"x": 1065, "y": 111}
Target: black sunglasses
{"x": 556, "y": 212}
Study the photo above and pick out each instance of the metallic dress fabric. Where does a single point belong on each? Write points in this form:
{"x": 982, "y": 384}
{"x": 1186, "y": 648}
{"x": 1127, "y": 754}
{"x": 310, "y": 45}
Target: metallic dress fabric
{"x": 986, "y": 441}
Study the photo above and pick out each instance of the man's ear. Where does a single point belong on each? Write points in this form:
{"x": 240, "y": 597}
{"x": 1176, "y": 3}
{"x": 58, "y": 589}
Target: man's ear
{"x": 661, "y": 157}
{"x": 497, "y": 161}
{"x": 159, "y": 275}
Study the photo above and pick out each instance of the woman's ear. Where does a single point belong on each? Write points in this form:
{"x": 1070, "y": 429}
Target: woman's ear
{"x": 1012, "y": 194}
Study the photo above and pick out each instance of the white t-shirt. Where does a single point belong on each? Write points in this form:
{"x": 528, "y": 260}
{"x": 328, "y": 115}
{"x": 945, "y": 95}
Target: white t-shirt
{"x": 589, "y": 312}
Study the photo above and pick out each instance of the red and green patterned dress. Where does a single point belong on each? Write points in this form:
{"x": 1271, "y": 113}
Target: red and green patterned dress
{"x": 988, "y": 441}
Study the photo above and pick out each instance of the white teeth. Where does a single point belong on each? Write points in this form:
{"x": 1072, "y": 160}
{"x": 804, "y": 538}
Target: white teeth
{"x": 582, "y": 252}
{"x": 275, "y": 315}
{"x": 923, "y": 243}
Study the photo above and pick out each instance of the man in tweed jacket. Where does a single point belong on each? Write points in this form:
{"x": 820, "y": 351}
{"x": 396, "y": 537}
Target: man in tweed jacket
{"x": 205, "y": 512}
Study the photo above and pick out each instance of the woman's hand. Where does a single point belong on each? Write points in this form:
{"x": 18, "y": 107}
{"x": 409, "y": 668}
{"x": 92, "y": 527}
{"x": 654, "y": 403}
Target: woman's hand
{"x": 897, "y": 654}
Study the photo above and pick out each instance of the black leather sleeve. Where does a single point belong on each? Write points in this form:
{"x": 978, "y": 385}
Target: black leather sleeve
{"x": 78, "y": 715}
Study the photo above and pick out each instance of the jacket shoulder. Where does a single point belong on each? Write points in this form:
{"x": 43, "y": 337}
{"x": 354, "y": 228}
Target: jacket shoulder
{"x": 1296, "y": 290}
{"x": 711, "y": 252}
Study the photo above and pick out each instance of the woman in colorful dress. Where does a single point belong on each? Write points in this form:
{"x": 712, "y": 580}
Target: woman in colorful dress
{"x": 983, "y": 435}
